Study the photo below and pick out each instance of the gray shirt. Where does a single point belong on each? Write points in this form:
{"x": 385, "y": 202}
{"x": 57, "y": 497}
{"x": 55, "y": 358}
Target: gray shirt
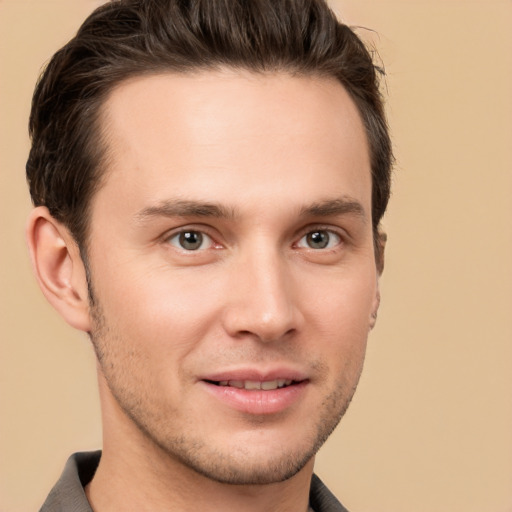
{"x": 68, "y": 493}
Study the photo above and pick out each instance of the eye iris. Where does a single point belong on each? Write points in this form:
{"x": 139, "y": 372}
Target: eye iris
{"x": 318, "y": 239}
{"x": 191, "y": 240}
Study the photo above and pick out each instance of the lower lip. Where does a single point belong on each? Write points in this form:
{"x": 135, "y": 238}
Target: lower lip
{"x": 258, "y": 401}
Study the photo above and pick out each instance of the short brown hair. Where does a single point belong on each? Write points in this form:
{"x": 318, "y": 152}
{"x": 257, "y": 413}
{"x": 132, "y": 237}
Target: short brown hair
{"x": 125, "y": 38}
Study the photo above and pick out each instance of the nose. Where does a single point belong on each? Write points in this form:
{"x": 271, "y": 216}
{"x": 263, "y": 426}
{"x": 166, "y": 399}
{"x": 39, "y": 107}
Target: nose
{"x": 263, "y": 302}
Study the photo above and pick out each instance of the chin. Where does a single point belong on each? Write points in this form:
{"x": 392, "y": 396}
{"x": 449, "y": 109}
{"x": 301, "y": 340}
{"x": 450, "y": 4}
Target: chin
{"x": 244, "y": 470}
{"x": 252, "y": 459}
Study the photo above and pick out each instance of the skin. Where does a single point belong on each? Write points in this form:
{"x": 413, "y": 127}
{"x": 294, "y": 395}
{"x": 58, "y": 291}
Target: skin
{"x": 256, "y": 164}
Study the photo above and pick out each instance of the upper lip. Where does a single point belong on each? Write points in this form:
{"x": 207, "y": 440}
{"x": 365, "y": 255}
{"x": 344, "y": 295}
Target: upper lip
{"x": 254, "y": 374}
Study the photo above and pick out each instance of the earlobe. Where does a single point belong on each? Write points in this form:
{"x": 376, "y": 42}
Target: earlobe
{"x": 58, "y": 267}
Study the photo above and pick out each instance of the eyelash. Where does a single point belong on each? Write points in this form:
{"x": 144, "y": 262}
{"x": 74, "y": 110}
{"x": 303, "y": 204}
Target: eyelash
{"x": 189, "y": 231}
{"x": 332, "y": 235}
{"x": 311, "y": 230}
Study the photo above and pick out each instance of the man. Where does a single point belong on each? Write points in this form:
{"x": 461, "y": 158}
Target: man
{"x": 208, "y": 180}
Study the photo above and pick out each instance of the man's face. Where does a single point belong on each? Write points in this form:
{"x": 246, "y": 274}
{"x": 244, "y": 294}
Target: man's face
{"x": 231, "y": 249}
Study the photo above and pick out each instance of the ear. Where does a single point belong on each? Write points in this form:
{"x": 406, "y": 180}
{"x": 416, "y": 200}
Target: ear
{"x": 58, "y": 267}
{"x": 375, "y": 307}
{"x": 380, "y": 246}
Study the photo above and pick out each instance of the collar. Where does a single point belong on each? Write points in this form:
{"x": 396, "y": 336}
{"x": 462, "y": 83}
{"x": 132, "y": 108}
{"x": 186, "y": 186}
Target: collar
{"x": 68, "y": 494}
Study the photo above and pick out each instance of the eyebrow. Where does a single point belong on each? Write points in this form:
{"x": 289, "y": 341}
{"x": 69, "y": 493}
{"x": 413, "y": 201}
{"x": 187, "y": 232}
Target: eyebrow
{"x": 187, "y": 208}
{"x": 333, "y": 207}
{"x": 183, "y": 208}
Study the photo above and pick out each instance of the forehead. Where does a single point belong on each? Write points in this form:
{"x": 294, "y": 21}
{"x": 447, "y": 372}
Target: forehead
{"x": 233, "y": 136}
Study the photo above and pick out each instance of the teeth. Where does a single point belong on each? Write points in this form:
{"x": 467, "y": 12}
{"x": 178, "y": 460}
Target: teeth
{"x": 256, "y": 384}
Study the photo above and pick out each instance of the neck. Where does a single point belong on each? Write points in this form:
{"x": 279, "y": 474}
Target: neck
{"x": 134, "y": 487}
{"x": 125, "y": 482}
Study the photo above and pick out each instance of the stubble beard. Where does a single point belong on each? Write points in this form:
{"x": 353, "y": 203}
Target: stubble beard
{"x": 194, "y": 452}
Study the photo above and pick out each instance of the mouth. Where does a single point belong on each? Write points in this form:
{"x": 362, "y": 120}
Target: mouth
{"x": 254, "y": 385}
{"x": 256, "y": 394}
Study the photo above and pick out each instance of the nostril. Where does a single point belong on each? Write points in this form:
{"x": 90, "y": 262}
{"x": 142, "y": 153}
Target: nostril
{"x": 265, "y": 336}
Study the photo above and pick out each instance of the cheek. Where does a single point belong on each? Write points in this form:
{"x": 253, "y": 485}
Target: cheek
{"x": 338, "y": 317}
{"x": 156, "y": 312}
{"x": 344, "y": 303}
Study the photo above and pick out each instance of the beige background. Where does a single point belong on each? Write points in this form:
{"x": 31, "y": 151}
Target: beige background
{"x": 431, "y": 425}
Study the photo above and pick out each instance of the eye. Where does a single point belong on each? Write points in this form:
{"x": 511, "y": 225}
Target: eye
{"x": 191, "y": 240}
{"x": 320, "y": 239}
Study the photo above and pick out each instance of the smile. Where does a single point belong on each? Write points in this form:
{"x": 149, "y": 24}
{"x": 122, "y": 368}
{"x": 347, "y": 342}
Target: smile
{"x": 257, "y": 395}
{"x": 253, "y": 385}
